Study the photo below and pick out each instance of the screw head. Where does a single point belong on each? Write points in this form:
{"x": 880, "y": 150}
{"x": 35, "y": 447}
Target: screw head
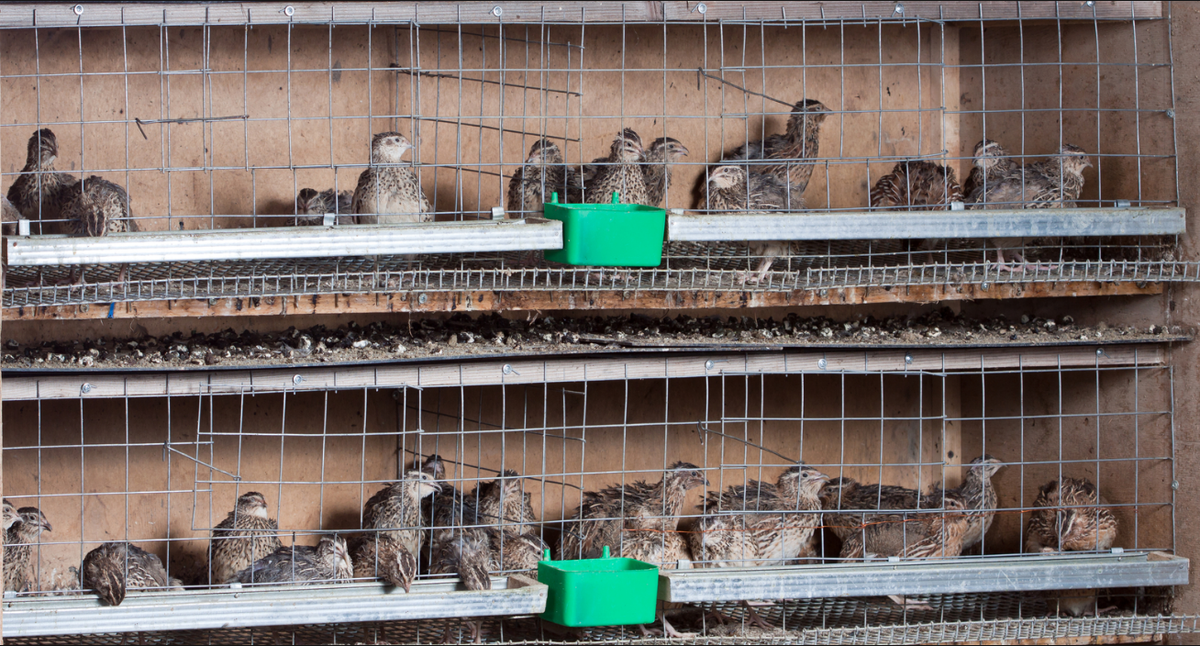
{"x": 984, "y": 286}
{"x": 422, "y": 298}
{"x": 898, "y": 9}
{"x": 297, "y": 379}
{"x": 702, "y": 8}
{"x": 507, "y": 369}
{"x": 1090, "y": 3}
{"x": 908, "y": 358}
{"x": 78, "y": 9}
{"x": 497, "y": 11}
{"x": 709, "y": 365}
{"x": 85, "y": 388}
{"x": 289, "y": 10}
{"x": 822, "y": 364}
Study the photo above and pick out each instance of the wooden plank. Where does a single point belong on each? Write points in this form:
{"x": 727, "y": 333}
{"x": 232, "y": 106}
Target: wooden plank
{"x": 567, "y": 369}
{"x": 491, "y": 301}
{"x": 237, "y": 13}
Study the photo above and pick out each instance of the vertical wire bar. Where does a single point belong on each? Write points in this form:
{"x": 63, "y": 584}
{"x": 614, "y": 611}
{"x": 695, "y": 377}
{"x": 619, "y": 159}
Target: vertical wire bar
{"x": 1137, "y": 103}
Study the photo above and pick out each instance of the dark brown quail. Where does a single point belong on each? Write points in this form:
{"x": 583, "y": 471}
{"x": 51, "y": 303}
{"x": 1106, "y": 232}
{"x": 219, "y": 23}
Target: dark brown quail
{"x": 388, "y": 191}
{"x": 1070, "y": 518}
{"x": 383, "y": 557}
{"x": 621, "y": 173}
{"x": 467, "y": 554}
{"x": 246, "y": 535}
{"x": 41, "y": 193}
{"x": 783, "y": 155}
{"x": 656, "y": 170}
{"x": 917, "y": 184}
{"x": 1051, "y": 184}
{"x": 978, "y": 496}
{"x": 312, "y": 206}
{"x": 114, "y": 568}
{"x": 599, "y": 521}
{"x": 328, "y": 561}
{"x": 18, "y": 547}
{"x": 731, "y": 189}
{"x": 543, "y": 173}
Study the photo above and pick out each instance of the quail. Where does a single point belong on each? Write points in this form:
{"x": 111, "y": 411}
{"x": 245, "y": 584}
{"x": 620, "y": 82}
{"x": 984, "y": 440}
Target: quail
{"x": 588, "y": 173}
{"x": 11, "y": 517}
{"x": 1051, "y": 184}
{"x": 98, "y": 207}
{"x": 40, "y": 193}
{"x": 656, "y": 170}
{"x": 328, "y": 561}
{"x": 783, "y": 155}
{"x": 388, "y": 191}
{"x": 466, "y": 553}
{"x": 395, "y": 510}
{"x": 386, "y": 558}
{"x": 725, "y": 539}
{"x": 621, "y": 173}
{"x": 604, "y": 514}
{"x": 978, "y": 496}
{"x": 543, "y": 173}
{"x": 733, "y": 189}
{"x": 1070, "y": 517}
{"x": 246, "y": 535}
{"x": 115, "y": 567}
{"x": 18, "y": 547}
{"x": 10, "y": 215}
{"x": 917, "y": 184}
{"x": 990, "y": 163}
{"x": 852, "y": 499}
{"x": 312, "y": 206}
{"x": 503, "y": 506}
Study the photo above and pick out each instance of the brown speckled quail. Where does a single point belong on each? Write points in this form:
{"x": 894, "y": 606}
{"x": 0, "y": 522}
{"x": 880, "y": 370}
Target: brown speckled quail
{"x": 312, "y": 206}
{"x": 396, "y": 509}
{"x": 732, "y": 189}
{"x": 1051, "y": 184}
{"x": 40, "y": 193}
{"x": 1070, "y": 518}
{"x": 599, "y": 521}
{"x": 246, "y": 535}
{"x": 990, "y": 163}
{"x": 845, "y": 494}
{"x": 18, "y": 547}
{"x": 656, "y": 170}
{"x": 328, "y": 561}
{"x": 115, "y": 567}
{"x": 99, "y": 208}
{"x": 622, "y": 173}
{"x": 783, "y": 155}
{"x": 978, "y": 496}
{"x": 383, "y": 557}
{"x": 917, "y": 184}
{"x": 543, "y": 173}
{"x": 388, "y": 191}
{"x": 758, "y": 539}
{"x": 466, "y": 553}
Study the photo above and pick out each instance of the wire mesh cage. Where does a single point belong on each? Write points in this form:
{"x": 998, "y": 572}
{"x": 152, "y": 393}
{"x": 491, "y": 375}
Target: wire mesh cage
{"x": 217, "y": 119}
{"x": 631, "y": 452}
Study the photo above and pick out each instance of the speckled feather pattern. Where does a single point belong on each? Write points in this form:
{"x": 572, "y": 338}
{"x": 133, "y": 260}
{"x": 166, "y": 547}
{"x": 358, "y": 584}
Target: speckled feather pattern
{"x": 543, "y": 173}
{"x": 243, "y": 537}
{"x": 312, "y": 206}
{"x": 779, "y": 155}
{"x": 114, "y": 568}
{"x": 388, "y": 191}
{"x": 328, "y": 561}
{"x": 917, "y": 184}
{"x": 622, "y": 174}
{"x": 1075, "y": 509}
{"x": 382, "y": 557}
{"x": 40, "y": 192}
{"x": 977, "y": 496}
{"x": 99, "y": 207}
{"x": 18, "y": 547}
{"x": 397, "y": 509}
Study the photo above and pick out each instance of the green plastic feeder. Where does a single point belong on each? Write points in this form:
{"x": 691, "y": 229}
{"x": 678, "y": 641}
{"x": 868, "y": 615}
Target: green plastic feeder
{"x": 608, "y": 235}
{"x": 599, "y": 592}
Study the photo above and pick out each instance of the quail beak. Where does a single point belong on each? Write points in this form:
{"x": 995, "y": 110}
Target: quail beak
{"x": 46, "y": 526}
{"x": 437, "y": 488}
{"x": 682, "y": 150}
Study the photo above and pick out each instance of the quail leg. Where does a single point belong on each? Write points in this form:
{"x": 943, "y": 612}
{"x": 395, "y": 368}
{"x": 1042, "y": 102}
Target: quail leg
{"x": 755, "y": 618}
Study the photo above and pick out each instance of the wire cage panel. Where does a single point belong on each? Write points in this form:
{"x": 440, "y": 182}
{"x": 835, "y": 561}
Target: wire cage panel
{"x": 108, "y": 463}
{"x": 212, "y": 124}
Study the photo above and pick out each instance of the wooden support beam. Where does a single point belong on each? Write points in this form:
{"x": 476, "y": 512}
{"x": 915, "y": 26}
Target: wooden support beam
{"x": 492, "y": 301}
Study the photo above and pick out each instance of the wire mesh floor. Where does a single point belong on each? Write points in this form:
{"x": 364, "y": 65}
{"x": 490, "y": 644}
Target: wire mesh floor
{"x": 687, "y": 267}
{"x": 939, "y": 619}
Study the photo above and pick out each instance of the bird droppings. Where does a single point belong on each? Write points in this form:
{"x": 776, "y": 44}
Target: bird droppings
{"x": 464, "y": 336}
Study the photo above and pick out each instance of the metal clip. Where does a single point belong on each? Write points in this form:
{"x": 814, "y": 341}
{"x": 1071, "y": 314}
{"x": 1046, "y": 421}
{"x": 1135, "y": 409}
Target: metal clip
{"x": 509, "y": 370}
{"x": 958, "y": 206}
{"x": 329, "y": 219}
{"x": 712, "y": 363}
{"x": 497, "y": 11}
{"x": 23, "y": 227}
{"x": 498, "y": 213}
{"x": 85, "y": 388}
{"x": 702, "y": 8}
{"x": 898, "y": 9}
{"x": 822, "y": 364}
{"x": 78, "y": 9}
{"x": 297, "y": 380}
{"x": 289, "y": 11}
